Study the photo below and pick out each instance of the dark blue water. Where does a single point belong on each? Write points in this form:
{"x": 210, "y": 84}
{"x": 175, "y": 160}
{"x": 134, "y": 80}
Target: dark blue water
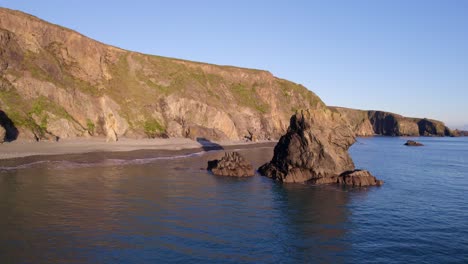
{"x": 171, "y": 211}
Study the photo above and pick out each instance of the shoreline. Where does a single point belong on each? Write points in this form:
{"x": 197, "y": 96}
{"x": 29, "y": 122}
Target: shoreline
{"x": 21, "y": 152}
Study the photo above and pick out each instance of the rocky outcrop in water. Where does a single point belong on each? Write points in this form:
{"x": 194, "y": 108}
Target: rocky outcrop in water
{"x": 413, "y": 143}
{"x": 314, "y": 149}
{"x": 231, "y": 164}
{"x": 358, "y": 178}
{"x": 368, "y": 123}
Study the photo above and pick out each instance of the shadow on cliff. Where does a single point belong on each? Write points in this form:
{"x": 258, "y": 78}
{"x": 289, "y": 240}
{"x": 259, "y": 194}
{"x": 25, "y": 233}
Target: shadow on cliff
{"x": 208, "y": 145}
{"x": 11, "y": 132}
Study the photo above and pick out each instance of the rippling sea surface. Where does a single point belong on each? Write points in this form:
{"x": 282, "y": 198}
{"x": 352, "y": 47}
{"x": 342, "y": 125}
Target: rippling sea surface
{"x": 169, "y": 210}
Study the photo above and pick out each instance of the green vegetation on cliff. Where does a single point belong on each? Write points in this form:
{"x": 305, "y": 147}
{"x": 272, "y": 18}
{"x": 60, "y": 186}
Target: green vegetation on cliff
{"x": 53, "y": 71}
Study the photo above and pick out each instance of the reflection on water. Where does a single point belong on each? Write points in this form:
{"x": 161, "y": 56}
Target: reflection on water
{"x": 172, "y": 210}
{"x": 165, "y": 212}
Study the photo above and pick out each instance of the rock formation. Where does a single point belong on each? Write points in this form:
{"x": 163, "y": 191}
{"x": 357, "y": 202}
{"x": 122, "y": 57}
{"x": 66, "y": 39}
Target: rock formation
{"x": 413, "y": 143}
{"x": 231, "y": 164}
{"x": 358, "y": 178}
{"x": 368, "y": 123}
{"x": 314, "y": 149}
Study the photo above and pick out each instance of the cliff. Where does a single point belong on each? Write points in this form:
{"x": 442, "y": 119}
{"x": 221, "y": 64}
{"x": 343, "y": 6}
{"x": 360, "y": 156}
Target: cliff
{"x": 460, "y": 133}
{"x": 56, "y": 83}
{"x": 368, "y": 123}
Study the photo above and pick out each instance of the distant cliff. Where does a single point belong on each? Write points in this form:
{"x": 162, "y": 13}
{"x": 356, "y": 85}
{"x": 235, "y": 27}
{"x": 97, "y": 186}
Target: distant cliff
{"x": 460, "y": 133}
{"x": 368, "y": 123}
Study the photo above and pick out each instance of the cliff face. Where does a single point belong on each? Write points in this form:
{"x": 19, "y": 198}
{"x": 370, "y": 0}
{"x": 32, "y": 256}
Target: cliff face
{"x": 460, "y": 133}
{"x": 56, "y": 83}
{"x": 368, "y": 123}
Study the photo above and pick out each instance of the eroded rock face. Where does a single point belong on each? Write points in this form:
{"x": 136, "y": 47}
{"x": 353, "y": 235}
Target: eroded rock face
{"x": 315, "y": 149}
{"x": 231, "y": 164}
{"x": 358, "y": 178}
{"x": 413, "y": 143}
{"x": 8, "y": 130}
{"x": 429, "y": 127}
{"x": 2, "y": 134}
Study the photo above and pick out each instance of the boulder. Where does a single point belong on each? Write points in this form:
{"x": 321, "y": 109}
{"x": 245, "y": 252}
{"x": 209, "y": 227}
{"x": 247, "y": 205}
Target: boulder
{"x": 413, "y": 143}
{"x": 231, "y": 164}
{"x": 358, "y": 178}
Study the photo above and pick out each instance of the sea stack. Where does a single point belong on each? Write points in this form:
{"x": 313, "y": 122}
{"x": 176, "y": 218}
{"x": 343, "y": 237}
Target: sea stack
{"x": 315, "y": 150}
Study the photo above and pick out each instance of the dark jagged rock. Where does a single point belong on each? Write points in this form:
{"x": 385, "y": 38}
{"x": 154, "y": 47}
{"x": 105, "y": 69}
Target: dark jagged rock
{"x": 413, "y": 143}
{"x": 231, "y": 164}
{"x": 313, "y": 150}
{"x": 358, "y": 178}
{"x": 8, "y": 131}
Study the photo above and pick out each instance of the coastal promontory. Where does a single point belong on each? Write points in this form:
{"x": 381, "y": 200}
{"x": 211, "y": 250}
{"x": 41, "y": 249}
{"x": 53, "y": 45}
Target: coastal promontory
{"x": 370, "y": 123}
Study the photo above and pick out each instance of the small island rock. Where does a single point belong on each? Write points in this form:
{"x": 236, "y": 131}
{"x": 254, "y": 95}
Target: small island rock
{"x": 413, "y": 143}
{"x": 358, "y": 178}
{"x": 231, "y": 164}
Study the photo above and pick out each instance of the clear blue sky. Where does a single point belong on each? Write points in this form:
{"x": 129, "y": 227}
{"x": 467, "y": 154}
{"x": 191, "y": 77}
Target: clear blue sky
{"x": 408, "y": 57}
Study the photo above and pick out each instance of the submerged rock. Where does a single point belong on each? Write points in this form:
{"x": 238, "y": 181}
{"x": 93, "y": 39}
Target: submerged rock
{"x": 413, "y": 143}
{"x": 314, "y": 150}
{"x": 358, "y": 178}
{"x": 231, "y": 164}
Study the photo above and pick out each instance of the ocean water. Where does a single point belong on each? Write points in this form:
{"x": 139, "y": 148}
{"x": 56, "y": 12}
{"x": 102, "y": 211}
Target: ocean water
{"x": 164, "y": 209}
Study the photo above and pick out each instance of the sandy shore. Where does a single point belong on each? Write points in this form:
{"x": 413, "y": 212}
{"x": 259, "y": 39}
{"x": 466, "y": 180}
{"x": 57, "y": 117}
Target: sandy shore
{"x": 18, "y": 149}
